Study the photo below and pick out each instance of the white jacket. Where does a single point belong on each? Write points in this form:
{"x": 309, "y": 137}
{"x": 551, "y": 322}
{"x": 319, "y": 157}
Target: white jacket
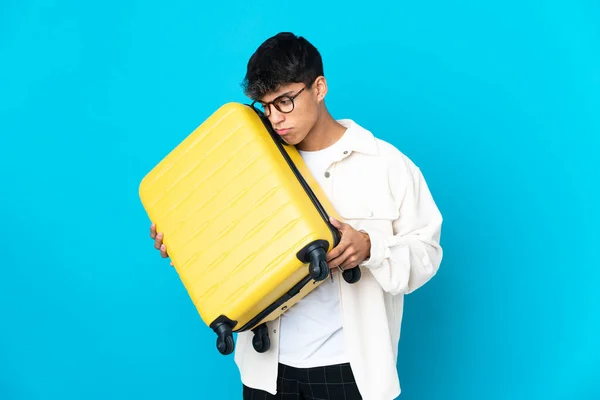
{"x": 377, "y": 189}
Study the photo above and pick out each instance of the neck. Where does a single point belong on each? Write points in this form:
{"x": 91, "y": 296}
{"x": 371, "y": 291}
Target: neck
{"x": 323, "y": 134}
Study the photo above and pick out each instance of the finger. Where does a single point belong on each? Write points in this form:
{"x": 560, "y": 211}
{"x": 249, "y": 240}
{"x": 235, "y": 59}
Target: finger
{"x": 163, "y": 251}
{"x": 350, "y": 262}
{"x": 336, "y": 251}
{"x": 158, "y": 241}
{"x": 338, "y": 224}
{"x": 153, "y": 231}
{"x": 339, "y": 261}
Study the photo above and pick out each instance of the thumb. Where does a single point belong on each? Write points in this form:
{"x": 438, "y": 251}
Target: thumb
{"x": 336, "y": 223}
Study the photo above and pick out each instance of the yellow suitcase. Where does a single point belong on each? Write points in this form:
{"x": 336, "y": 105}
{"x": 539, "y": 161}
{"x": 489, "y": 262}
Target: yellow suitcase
{"x": 245, "y": 223}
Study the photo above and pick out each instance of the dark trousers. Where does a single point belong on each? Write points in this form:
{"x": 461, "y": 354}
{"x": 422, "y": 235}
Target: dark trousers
{"x": 320, "y": 383}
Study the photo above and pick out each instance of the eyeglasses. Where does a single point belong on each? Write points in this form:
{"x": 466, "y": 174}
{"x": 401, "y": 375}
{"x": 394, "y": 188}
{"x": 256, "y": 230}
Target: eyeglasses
{"x": 284, "y": 104}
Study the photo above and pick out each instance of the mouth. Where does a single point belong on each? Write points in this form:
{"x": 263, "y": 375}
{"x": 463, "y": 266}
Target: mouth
{"x": 282, "y": 132}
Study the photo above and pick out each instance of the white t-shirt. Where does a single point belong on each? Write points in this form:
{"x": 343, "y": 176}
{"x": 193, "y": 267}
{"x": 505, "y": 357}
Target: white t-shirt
{"x": 311, "y": 332}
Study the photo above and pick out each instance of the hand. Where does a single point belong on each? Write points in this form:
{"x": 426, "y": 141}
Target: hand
{"x": 354, "y": 248}
{"x": 158, "y": 244}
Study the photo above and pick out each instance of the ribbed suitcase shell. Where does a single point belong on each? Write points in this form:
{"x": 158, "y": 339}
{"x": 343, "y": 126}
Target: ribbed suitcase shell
{"x": 235, "y": 215}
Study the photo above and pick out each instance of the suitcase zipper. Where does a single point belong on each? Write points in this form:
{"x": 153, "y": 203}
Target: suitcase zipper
{"x": 334, "y": 232}
{"x": 279, "y": 143}
{"x": 222, "y": 325}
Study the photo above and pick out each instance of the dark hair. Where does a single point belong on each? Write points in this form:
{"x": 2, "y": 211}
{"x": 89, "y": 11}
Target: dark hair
{"x": 281, "y": 59}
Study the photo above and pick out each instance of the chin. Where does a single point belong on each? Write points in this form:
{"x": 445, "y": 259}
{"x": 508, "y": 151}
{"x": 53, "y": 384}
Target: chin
{"x": 290, "y": 140}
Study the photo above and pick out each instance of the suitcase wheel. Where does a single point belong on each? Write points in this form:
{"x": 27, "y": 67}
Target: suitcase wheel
{"x": 319, "y": 270}
{"x": 352, "y": 275}
{"x": 261, "y": 341}
{"x": 316, "y": 256}
{"x": 225, "y": 343}
{"x": 318, "y": 264}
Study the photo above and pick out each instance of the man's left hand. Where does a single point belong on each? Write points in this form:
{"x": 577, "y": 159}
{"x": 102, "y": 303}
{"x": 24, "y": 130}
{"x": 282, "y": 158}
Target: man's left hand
{"x": 354, "y": 247}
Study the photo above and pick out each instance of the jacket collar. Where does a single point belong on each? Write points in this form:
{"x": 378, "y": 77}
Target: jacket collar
{"x": 358, "y": 139}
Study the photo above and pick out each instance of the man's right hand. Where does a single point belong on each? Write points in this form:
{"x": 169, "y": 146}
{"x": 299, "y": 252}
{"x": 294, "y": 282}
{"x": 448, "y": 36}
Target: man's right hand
{"x": 158, "y": 242}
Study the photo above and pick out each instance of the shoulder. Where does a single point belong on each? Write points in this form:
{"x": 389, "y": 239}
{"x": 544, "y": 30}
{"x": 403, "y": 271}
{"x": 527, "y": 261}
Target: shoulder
{"x": 395, "y": 159}
{"x": 384, "y": 153}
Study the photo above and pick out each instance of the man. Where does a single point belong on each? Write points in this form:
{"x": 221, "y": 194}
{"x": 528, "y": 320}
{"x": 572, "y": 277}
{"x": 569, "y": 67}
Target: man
{"x": 340, "y": 341}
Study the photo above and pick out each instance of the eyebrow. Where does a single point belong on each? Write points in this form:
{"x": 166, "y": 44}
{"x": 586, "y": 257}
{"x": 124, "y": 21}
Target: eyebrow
{"x": 281, "y": 95}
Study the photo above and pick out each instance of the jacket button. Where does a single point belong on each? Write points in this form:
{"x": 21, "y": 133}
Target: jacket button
{"x": 327, "y": 174}
{"x": 346, "y": 152}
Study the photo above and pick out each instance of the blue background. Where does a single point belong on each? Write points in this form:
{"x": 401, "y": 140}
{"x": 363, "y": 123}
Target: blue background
{"x": 498, "y": 102}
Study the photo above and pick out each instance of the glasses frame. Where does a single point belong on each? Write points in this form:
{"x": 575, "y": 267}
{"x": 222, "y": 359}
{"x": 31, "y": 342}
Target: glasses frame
{"x": 267, "y": 106}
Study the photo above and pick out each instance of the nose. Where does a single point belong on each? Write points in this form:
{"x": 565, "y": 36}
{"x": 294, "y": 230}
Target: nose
{"x": 276, "y": 117}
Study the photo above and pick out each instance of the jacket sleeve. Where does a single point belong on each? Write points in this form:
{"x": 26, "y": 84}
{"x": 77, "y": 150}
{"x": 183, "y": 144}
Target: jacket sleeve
{"x": 406, "y": 260}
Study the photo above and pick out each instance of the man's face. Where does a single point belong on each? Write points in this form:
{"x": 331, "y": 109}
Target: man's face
{"x": 295, "y": 125}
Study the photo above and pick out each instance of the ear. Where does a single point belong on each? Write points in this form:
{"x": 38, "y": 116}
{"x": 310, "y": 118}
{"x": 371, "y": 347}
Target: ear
{"x": 320, "y": 86}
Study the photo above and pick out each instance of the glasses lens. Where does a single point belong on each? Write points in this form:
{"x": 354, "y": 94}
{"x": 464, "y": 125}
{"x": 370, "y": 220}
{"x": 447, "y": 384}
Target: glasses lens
{"x": 285, "y": 104}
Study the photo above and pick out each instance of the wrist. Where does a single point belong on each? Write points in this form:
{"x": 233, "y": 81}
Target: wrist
{"x": 367, "y": 240}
